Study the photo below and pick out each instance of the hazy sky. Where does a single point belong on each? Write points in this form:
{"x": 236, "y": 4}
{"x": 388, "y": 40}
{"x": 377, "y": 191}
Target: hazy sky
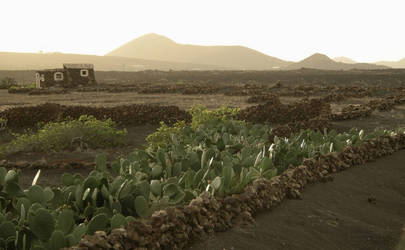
{"x": 365, "y": 30}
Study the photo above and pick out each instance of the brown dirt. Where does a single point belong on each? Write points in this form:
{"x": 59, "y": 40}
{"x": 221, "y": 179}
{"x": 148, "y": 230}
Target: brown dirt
{"x": 114, "y": 99}
{"x": 108, "y": 99}
{"x": 362, "y": 208}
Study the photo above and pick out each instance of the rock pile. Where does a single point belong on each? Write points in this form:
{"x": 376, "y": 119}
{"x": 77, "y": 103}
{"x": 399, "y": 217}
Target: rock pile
{"x": 276, "y": 113}
{"x": 135, "y": 114}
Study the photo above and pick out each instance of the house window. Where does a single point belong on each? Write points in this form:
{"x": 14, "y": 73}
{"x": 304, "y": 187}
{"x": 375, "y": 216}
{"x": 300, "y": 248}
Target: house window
{"x": 58, "y": 76}
{"x": 84, "y": 72}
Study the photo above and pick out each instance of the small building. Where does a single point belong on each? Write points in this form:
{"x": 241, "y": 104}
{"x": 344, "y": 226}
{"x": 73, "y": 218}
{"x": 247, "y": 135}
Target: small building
{"x": 71, "y": 75}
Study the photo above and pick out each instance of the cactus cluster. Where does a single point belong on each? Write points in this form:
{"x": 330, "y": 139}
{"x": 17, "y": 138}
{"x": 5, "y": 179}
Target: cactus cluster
{"x": 220, "y": 157}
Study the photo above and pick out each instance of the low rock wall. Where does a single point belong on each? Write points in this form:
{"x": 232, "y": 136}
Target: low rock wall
{"x": 176, "y": 227}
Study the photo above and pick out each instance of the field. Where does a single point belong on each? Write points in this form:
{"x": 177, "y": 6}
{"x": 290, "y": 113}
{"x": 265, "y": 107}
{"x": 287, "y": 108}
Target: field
{"x": 211, "y": 151}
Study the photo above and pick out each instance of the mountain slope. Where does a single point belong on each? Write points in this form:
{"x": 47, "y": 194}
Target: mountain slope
{"x": 24, "y": 61}
{"x": 343, "y": 59}
{"x": 320, "y": 61}
{"x": 393, "y": 64}
{"x": 157, "y": 47}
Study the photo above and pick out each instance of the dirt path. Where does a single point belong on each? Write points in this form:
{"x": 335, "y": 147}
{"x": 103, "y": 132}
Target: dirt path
{"x": 363, "y": 208}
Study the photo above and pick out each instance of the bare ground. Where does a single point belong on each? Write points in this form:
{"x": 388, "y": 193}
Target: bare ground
{"x": 124, "y": 98}
{"x": 362, "y": 208}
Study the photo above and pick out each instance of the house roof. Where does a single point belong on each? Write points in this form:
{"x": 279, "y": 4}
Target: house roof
{"x": 50, "y": 70}
{"x": 78, "y": 66}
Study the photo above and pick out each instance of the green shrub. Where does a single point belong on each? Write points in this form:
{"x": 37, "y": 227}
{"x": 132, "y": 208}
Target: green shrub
{"x": 201, "y": 115}
{"x": 163, "y": 134}
{"x": 7, "y": 82}
{"x": 85, "y": 132}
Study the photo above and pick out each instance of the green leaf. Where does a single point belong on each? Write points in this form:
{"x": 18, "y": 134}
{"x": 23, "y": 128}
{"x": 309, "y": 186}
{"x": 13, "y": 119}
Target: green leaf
{"x": 94, "y": 196}
{"x": 67, "y": 179}
{"x": 79, "y": 231}
{"x": 178, "y": 198}
{"x": 101, "y": 163}
{"x": 203, "y": 159}
{"x": 42, "y": 224}
{"x": 118, "y": 220}
{"x": 216, "y": 183}
{"x": 156, "y": 188}
{"x": 89, "y": 211}
{"x": 86, "y": 193}
{"x": 227, "y": 172}
{"x": 176, "y": 170}
{"x": 90, "y": 182}
{"x": 115, "y": 167}
{"x": 265, "y": 164}
{"x": 189, "y": 179}
{"x": 130, "y": 219}
{"x": 65, "y": 221}
{"x": 144, "y": 189}
{"x": 170, "y": 190}
{"x": 2, "y": 218}
{"x": 3, "y": 172}
{"x": 70, "y": 240}
{"x": 13, "y": 189}
{"x": 141, "y": 206}
{"x": 36, "y": 194}
{"x": 156, "y": 171}
{"x": 7, "y": 229}
{"x": 122, "y": 191}
{"x": 103, "y": 210}
{"x": 198, "y": 177}
{"x": 11, "y": 176}
{"x": 48, "y": 194}
{"x": 97, "y": 223}
{"x": 57, "y": 241}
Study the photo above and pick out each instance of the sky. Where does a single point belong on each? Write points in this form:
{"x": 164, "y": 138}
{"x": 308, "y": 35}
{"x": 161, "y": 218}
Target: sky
{"x": 364, "y": 30}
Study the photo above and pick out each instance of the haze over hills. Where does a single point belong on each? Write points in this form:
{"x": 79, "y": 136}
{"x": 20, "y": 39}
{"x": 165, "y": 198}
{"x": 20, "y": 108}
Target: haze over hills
{"x": 157, "y": 47}
{"x": 29, "y": 61}
{"x": 393, "y": 64}
{"x": 343, "y": 59}
{"x": 320, "y": 61}
{"x": 158, "y": 52}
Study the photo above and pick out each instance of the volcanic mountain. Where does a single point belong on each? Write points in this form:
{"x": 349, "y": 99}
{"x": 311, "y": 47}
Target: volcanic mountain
{"x": 320, "y": 61}
{"x": 157, "y": 47}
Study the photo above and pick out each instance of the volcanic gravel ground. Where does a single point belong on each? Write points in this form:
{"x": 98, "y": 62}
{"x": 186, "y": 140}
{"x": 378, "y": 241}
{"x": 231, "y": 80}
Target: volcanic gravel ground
{"x": 362, "y": 208}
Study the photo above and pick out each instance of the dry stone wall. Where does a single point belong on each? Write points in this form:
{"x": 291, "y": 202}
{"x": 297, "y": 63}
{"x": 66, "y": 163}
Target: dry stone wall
{"x": 175, "y": 227}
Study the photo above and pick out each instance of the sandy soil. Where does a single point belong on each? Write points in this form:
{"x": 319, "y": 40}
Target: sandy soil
{"x": 108, "y": 99}
{"x": 362, "y": 208}
{"x": 125, "y": 98}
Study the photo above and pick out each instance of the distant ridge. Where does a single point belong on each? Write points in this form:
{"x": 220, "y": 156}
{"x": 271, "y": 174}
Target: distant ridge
{"x": 321, "y": 61}
{"x": 29, "y": 61}
{"x": 156, "y": 47}
{"x": 393, "y": 64}
{"x": 344, "y": 59}
{"x": 153, "y": 51}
